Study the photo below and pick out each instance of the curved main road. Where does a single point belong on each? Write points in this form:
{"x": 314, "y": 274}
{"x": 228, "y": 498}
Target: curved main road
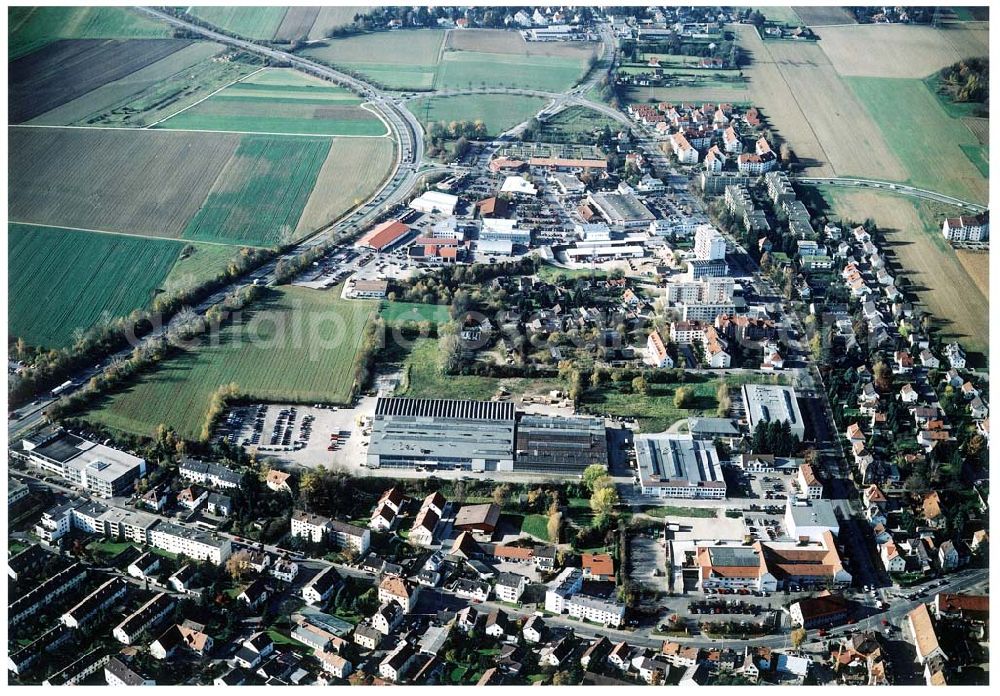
{"x": 890, "y": 187}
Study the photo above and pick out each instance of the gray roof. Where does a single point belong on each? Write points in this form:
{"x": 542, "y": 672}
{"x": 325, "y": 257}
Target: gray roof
{"x": 456, "y": 409}
{"x": 818, "y": 513}
{"x": 768, "y": 402}
{"x": 678, "y": 460}
{"x": 712, "y": 427}
{"x": 510, "y": 580}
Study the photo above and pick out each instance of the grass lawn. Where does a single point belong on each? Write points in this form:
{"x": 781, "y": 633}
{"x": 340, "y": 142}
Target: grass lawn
{"x": 979, "y": 156}
{"x": 536, "y": 526}
{"x": 30, "y": 28}
{"x": 425, "y": 380}
{"x": 551, "y": 273}
{"x": 922, "y": 134}
{"x": 654, "y": 411}
{"x": 396, "y": 313}
{"x": 579, "y": 512}
{"x": 471, "y": 69}
{"x": 280, "y": 100}
{"x": 64, "y": 280}
{"x": 673, "y": 511}
{"x": 575, "y": 124}
{"x": 498, "y": 111}
{"x": 281, "y": 639}
{"x": 109, "y": 548}
{"x": 295, "y": 344}
{"x": 456, "y": 674}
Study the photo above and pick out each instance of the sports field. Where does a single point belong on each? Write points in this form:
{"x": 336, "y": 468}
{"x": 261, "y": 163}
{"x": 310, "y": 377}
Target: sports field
{"x": 295, "y": 345}
{"x": 65, "y": 70}
{"x": 30, "y": 28}
{"x": 396, "y": 313}
{"x": 150, "y": 93}
{"x": 913, "y": 235}
{"x": 280, "y": 101}
{"x": 425, "y": 59}
{"x": 923, "y": 136}
{"x": 251, "y": 22}
{"x": 258, "y": 197}
{"x": 138, "y": 182}
{"x": 66, "y": 280}
{"x": 498, "y": 111}
{"x": 354, "y": 169}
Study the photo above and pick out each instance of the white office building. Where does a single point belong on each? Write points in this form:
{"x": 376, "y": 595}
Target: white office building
{"x": 709, "y": 244}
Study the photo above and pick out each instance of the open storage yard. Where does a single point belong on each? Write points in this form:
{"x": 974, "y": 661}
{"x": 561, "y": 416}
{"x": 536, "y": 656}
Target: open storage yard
{"x": 30, "y": 28}
{"x": 65, "y": 70}
{"x": 913, "y": 236}
{"x": 498, "y": 111}
{"x": 280, "y": 101}
{"x": 424, "y": 60}
{"x": 295, "y": 345}
{"x": 64, "y": 280}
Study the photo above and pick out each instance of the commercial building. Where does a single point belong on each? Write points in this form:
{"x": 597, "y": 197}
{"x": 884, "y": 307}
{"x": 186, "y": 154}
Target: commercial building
{"x": 447, "y": 433}
{"x": 518, "y": 186}
{"x": 370, "y": 289}
{"x": 766, "y": 403}
{"x": 435, "y": 202}
{"x": 810, "y": 519}
{"x": 104, "y": 471}
{"x": 556, "y": 444}
{"x": 16, "y": 491}
{"x": 192, "y": 543}
{"x": 707, "y": 268}
{"x": 385, "y": 236}
{"x": 478, "y": 520}
{"x": 503, "y": 230}
{"x": 823, "y": 610}
{"x": 621, "y": 210}
{"x": 678, "y": 466}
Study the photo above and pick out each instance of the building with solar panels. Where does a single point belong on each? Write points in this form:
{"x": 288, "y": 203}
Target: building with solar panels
{"x": 442, "y": 433}
{"x": 767, "y": 402}
{"x": 679, "y": 466}
{"x": 558, "y": 445}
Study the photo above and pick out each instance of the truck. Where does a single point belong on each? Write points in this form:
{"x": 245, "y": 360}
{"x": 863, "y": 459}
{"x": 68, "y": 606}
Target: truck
{"x": 62, "y": 387}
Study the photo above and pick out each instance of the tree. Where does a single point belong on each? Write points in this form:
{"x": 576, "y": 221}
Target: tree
{"x": 238, "y": 564}
{"x": 604, "y": 500}
{"x": 501, "y": 494}
{"x": 554, "y": 526}
{"x": 592, "y": 474}
{"x": 722, "y": 396}
{"x": 883, "y": 376}
{"x": 683, "y": 397}
{"x": 639, "y": 385}
{"x": 798, "y": 637}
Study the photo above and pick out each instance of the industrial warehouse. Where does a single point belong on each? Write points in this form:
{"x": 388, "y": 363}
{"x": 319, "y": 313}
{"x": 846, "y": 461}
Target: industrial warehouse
{"x": 678, "y": 466}
{"x": 481, "y": 436}
{"x": 766, "y": 403}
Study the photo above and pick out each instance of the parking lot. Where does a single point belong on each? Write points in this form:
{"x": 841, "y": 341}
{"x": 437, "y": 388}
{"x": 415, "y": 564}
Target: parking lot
{"x": 647, "y": 560}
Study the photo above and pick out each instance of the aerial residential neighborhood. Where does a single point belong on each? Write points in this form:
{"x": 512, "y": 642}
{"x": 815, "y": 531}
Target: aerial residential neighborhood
{"x": 477, "y": 346}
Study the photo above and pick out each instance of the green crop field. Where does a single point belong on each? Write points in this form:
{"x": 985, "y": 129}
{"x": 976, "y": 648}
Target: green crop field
{"x": 199, "y": 263}
{"x": 396, "y": 313}
{"x": 922, "y": 135}
{"x": 654, "y": 411}
{"x": 62, "y": 280}
{"x": 498, "y": 111}
{"x": 979, "y": 156}
{"x": 261, "y": 193}
{"x": 30, "y": 28}
{"x": 280, "y": 101}
{"x": 396, "y": 60}
{"x": 470, "y": 69}
{"x": 295, "y": 345}
{"x": 249, "y": 22}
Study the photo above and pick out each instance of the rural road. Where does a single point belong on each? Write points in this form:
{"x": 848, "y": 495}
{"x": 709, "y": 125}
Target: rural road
{"x": 890, "y": 187}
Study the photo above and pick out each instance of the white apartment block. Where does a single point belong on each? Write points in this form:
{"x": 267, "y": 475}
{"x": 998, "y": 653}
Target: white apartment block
{"x": 709, "y": 244}
{"x": 966, "y": 228}
{"x": 190, "y": 542}
{"x": 566, "y": 584}
{"x": 599, "y": 611}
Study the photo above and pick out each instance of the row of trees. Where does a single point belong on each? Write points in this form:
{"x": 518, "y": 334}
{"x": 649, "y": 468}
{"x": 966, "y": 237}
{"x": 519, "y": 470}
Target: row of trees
{"x": 775, "y": 437}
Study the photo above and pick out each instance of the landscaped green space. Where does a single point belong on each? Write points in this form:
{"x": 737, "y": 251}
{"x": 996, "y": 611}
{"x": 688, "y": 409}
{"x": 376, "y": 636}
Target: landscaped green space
{"x": 295, "y": 345}
{"x": 30, "y": 28}
{"x": 262, "y": 191}
{"x": 655, "y": 411}
{"x": 396, "y": 313}
{"x": 280, "y": 101}
{"x": 922, "y": 135}
{"x": 575, "y": 124}
{"x": 423, "y": 378}
{"x": 673, "y": 511}
{"x": 498, "y": 111}
{"x": 249, "y": 22}
{"x": 108, "y": 548}
{"x": 537, "y": 526}
{"x": 65, "y": 280}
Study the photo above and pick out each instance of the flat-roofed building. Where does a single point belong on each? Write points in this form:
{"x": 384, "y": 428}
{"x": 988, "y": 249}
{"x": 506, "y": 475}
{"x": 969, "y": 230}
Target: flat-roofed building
{"x": 371, "y": 289}
{"x": 192, "y": 543}
{"x": 208, "y": 472}
{"x": 602, "y": 611}
{"x": 810, "y": 519}
{"x": 446, "y": 433}
{"x": 104, "y": 471}
{"x": 559, "y": 444}
{"x": 621, "y": 210}
{"x": 679, "y": 466}
{"x": 504, "y": 230}
{"x": 766, "y": 403}
{"x": 435, "y": 202}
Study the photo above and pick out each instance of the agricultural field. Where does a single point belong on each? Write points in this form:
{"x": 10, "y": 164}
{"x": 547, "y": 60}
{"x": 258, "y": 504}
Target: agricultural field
{"x": 150, "y": 93}
{"x": 258, "y": 198}
{"x": 977, "y": 265}
{"x": 31, "y": 28}
{"x": 63, "y": 281}
{"x": 913, "y": 233}
{"x": 250, "y": 22}
{"x": 498, "y": 111}
{"x": 396, "y": 313}
{"x": 703, "y": 91}
{"x": 280, "y": 101}
{"x": 354, "y": 169}
{"x": 821, "y": 16}
{"x": 397, "y": 60}
{"x": 426, "y": 59}
{"x": 294, "y": 345}
{"x": 923, "y": 136}
{"x": 332, "y": 17}
{"x": 655, "y": 411}
{"x": 297, "y": 23}
{"x": 137, "y": 182}
{"x": 781, "y": 15}
{"x": 65, "y": 70}
{"x": 893, "y": 50}
{"x": 198, "y": 264}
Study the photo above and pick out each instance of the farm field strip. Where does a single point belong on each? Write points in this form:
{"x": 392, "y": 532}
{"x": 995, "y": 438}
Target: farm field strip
{"x": 119, "y": 234}
{"x": 331, "y": 17}
{"x": 65, "y": 70}
{"x": 255, "y": 22}
{"x": 295, "y": 345}
{"x": 31, "y": 28}
{"x": 888, "y": 50}
{"x": 65, "y": 280}
{"x": 207, "y": 96}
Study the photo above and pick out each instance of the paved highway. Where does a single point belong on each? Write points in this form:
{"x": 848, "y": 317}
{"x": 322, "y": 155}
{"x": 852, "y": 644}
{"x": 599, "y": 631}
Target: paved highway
{"x": 890, "y": 187}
